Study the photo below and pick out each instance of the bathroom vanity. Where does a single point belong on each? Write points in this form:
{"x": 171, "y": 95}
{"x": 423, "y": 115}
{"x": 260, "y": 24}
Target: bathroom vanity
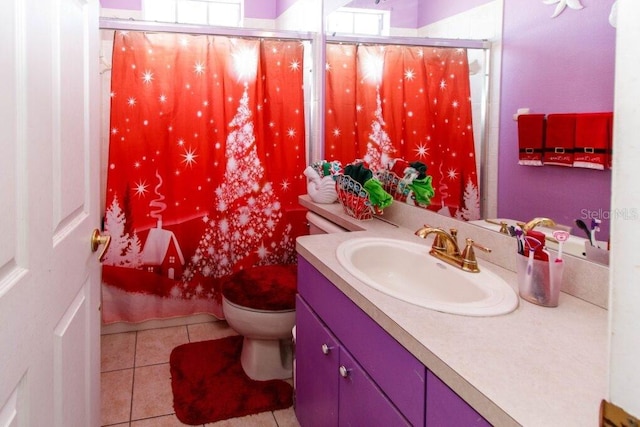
{"x": 364, "y": 356}
{"x": 350, "y": 371}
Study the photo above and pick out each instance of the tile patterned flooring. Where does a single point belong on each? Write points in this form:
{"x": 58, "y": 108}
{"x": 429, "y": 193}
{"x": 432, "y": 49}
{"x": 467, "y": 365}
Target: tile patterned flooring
{"x": 136, "y": 383}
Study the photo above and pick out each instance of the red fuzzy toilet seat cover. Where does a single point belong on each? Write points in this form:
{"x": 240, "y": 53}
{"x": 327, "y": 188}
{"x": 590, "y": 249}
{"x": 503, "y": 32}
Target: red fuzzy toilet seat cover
{"x": 266, "y": 287}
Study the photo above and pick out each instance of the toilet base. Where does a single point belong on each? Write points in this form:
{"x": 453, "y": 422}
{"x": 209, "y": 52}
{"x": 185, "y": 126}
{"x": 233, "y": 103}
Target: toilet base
{"x": 267, "y": 359}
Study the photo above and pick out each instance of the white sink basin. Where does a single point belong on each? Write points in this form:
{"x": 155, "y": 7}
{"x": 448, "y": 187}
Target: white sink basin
{"x": 406, "y": 271}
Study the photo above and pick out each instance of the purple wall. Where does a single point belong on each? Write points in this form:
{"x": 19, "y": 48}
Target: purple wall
{"x": 280, "y": 7}
{"x": 262, "y": 9}
{"x": 122, "y": 4}
{"x": 430, "y": 11}
{"x": 564, "y": 64}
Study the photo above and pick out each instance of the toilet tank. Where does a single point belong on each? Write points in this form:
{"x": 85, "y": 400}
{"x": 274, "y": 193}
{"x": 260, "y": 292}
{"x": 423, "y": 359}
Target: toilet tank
{"x": 320, "y": 225}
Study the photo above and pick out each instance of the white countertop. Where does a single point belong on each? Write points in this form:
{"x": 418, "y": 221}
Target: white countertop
{"x": 536, "y": 366}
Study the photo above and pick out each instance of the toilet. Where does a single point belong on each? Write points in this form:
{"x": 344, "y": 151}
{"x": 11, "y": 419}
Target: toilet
{"x": 259, "y": 304}
{"x": 319, "y": 225}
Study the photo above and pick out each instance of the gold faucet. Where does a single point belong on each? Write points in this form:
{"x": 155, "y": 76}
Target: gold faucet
{"x": 503, "y": 225}
{"x": 445, "y": 248}
{"x": 545, "y": 222}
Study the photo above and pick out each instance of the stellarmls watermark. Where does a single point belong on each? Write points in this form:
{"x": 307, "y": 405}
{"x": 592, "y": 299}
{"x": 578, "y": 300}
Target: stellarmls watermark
{"x": 628, "y": 214}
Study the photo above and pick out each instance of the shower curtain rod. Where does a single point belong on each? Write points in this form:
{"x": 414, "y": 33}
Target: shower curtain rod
{"x": 411, "y": 41}
{"x": 169, "y": 27}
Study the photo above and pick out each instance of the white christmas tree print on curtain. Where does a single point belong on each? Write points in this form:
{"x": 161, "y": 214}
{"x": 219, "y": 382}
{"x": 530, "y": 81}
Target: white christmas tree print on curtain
{"x": 471, "y": 209}
{"x": 379, "y": 146}
{"x": 246, "y": 210}
{"x": 124, "y": 249}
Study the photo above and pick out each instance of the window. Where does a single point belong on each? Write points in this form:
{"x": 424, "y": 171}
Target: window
{"x": 172, "y": 260}
{"x": 371, "y": 22}
{"x": 228, "y": 13}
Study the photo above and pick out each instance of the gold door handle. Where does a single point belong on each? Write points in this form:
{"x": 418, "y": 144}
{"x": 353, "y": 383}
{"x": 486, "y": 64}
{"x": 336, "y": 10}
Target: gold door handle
{"x": 98, "y": 239}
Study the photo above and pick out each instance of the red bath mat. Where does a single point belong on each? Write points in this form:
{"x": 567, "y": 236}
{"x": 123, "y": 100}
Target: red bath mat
{"x": 209, "y": 384}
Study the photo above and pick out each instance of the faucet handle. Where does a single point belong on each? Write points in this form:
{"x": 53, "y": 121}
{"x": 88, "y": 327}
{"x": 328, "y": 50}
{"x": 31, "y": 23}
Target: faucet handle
{"x": 454, "y": 234}
{"x": 503, "y": 227}
{"x": 469, "y": 261}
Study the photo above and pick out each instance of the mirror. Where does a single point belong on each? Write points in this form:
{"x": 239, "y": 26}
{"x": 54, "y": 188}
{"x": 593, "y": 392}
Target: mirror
{"x": 563, "y": 193}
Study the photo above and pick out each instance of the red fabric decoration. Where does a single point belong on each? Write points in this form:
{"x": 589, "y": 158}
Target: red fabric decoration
{"x": 593, "y": 140}
{"x": 209, "y": 385}
{"x": 560, "y": 139}
{"x": 398, "y": 166}
{"x": 610, "y": 147}
{"x": 269, "y": 287}
{"x": 531, "y": 129}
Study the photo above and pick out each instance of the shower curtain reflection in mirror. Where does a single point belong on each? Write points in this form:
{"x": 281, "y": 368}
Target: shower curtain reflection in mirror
{"x": 411, "y": 102}
{"x": 206, "y": 149}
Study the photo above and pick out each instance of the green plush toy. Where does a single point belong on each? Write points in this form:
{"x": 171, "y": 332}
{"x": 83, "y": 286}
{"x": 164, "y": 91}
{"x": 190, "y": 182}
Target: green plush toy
{"x": 423, "y": 189}
{"x": 377, "y": 196}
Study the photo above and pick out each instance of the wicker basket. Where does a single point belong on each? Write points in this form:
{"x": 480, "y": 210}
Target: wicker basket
{"x": 354, "y": 198}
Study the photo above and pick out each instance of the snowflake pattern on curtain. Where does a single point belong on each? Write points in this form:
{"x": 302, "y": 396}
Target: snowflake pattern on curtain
{"x": 407, "y": 102}
{"x": 205, "y": 159}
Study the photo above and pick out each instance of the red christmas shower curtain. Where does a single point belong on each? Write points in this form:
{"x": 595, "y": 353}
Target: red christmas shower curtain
{"x": 206, "y": 148}
{"x": 409, "y": 102}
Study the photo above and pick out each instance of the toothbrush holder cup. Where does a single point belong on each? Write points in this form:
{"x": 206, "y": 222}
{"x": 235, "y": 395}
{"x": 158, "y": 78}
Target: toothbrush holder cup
{"x": 539, "y": 281}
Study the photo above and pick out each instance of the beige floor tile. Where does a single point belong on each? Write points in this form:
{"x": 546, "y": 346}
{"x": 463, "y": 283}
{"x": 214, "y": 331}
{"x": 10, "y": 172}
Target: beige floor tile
{"x": 154, "y": 346}
{"x": 263, "y": 419}
{"x": 117, "y": 351}
{"x": 210, "y": 331}
{"x": 152, "y": 396}
{"x": 166, "y": 421}
{"x": 115, "y": 396}
{"x": 286, "y": 417}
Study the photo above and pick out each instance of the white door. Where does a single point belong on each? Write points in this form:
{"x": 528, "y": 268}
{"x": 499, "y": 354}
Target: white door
{"x": 49, "y": 177}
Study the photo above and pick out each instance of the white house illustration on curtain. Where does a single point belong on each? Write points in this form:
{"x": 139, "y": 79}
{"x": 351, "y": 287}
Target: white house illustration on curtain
{"x": 161, "y": 253}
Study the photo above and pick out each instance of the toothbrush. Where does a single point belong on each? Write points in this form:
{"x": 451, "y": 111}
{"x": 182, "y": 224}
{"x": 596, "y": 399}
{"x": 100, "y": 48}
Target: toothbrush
{"x": 595, "y": 226}
{"x": 519, "y": 236}
{"x": 533, "y": 244}
{"x": 561, "y": 236}
{"x": 582, "y": 226}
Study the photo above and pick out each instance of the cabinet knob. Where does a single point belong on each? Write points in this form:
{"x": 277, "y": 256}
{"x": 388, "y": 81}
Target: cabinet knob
{"x": 326, "y": 349}
{"x": 344, "y": 372}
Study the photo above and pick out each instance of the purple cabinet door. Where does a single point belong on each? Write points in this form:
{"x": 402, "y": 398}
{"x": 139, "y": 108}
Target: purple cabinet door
{"x": 446, "y": 408}
{"x": 317, "y": 361}
{"x": 362, "y": 403}
{"x": 390, "y": 366}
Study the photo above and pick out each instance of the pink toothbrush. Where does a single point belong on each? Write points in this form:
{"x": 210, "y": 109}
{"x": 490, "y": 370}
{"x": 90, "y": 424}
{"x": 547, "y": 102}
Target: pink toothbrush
{"x": 533, "y": 244}
{"x": 561, "y": 236}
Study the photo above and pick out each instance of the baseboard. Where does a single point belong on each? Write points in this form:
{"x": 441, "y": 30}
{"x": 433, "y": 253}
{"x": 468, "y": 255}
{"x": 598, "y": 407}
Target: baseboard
{"x": 116, "y": 328}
